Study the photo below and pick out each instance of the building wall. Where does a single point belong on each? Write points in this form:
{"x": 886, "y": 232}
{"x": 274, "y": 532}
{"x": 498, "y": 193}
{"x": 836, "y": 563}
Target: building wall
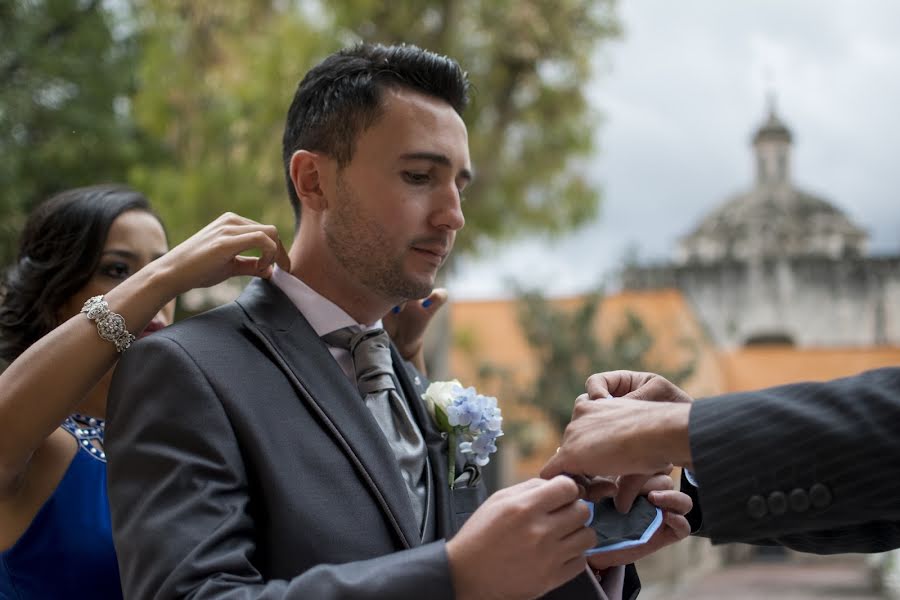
{"x": 815, "y": 302}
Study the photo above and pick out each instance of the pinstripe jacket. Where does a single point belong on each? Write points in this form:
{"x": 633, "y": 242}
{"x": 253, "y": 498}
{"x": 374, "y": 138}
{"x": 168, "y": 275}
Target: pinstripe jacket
{"x": 811, "y": 466}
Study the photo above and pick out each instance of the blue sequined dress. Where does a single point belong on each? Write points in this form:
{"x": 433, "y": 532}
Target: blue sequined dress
{"x": 67, "y": 550}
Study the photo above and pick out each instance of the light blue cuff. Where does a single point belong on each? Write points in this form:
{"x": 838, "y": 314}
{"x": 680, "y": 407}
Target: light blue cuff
{"x": 690, "y": 477}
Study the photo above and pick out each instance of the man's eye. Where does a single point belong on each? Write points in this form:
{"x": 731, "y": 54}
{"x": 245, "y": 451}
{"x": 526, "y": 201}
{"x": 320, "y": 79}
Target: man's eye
{"x": 116, "y": 270}
{"x": 414, "y": 177}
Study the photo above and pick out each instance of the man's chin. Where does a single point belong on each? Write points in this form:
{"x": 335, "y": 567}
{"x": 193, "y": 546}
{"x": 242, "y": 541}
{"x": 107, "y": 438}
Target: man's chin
{"x": 416, "y": 287}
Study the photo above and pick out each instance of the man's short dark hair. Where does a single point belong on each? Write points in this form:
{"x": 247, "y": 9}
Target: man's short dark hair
{"x": 342, "y": 97}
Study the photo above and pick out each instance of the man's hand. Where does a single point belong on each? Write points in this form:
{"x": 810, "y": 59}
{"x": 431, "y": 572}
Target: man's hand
{"x": 675, "y": 527}
{"x": 621, "y": 437}
{"x": 406, "y": 325}
{"x": 524, "y": 541}
{"x": 632, "y": 384}
{"x": 640, "y": 386}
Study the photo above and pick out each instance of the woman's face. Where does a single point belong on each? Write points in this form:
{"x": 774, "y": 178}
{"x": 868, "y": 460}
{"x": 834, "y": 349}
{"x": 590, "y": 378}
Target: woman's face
{"x": 135, "y": 238}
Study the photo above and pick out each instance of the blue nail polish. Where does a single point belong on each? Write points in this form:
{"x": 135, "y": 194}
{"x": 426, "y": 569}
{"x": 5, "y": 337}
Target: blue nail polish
{"x": 427, "y": 302}
{"x": 395, "y": 310}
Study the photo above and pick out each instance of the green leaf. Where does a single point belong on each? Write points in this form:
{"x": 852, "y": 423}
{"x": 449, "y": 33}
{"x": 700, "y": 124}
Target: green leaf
{"x": 440, "y": 416}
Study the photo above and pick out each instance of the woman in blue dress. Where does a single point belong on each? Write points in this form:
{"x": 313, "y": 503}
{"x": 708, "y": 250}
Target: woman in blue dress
{"x": 99, "y": 248}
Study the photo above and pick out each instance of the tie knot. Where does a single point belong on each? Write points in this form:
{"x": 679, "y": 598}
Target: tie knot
{"x": 371, "y": 353}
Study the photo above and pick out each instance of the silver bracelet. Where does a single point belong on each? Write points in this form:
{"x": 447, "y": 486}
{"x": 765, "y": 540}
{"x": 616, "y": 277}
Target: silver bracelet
{"x": 110, "y": 325}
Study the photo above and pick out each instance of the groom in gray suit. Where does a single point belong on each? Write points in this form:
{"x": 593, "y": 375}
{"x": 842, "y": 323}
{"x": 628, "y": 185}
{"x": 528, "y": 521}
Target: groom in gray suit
{"x": 277, "y": 447}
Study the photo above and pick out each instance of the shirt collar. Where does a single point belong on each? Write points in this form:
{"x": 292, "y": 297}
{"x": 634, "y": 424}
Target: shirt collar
{"x": 323, "y": 315}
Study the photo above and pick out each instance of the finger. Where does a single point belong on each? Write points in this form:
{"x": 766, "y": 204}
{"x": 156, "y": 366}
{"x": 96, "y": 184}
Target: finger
{"x": 613, "y": 383}
{"x": 522, "y": 487}
{"x": 676, "y": 502}
{"x": 555, "y": 466}
{"x": 575, "y": 544}
{"x": 599, "y": 488}
{"x": 243, "y": 239}
{"x": 629, "y": 489}
{"x": 555, "y": 494}
{"x": 679, "y": 525}
{"x": 598, "y": 384}
{"x": 659, "y": 481}
{"x": 568, "y": 519}
{"x": 435, "y": 300}
{"x": 281, "y": 257}
{"x": 243, "y": 265}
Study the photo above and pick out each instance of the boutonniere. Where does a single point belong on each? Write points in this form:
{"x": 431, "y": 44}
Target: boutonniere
{"x": 468, "y": 418}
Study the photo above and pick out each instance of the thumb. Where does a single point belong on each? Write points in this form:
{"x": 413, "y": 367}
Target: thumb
{"x": 553, "y": 467}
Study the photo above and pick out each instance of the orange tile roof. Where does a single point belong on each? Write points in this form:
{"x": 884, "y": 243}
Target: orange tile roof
{"x": 488, "y": 331}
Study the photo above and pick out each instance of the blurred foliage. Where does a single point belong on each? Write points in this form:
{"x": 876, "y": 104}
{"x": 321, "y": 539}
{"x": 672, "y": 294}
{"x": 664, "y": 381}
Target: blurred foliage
{"x": 66, "y": 73}
{"x": 215, "y": 82}
{"x": 568, "y": 349}
{"x": 185, "y": 99}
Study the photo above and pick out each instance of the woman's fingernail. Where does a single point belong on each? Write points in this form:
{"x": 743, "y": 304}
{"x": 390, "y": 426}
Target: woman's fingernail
{"x": 427, "y": 302}
{"x": 395, "y": 310}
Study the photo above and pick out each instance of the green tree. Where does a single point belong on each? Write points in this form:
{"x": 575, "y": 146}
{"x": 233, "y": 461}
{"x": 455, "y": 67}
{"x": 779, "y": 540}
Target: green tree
{"x": 567, "y": 348}
{"x": 66, "y": 72}
{"x": 215, "y": 81}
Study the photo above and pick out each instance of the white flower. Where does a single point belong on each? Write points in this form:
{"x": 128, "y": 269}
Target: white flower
{"x": 468, "y": 418}
{"x": 440, "y": 393}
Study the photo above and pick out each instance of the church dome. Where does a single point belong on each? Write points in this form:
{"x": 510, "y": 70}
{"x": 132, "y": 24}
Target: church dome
{"x": 771, "y": 222}
{"x": 774, "y": 218}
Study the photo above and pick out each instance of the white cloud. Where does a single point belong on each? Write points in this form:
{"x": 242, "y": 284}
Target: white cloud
{"x": 682, "y": 94}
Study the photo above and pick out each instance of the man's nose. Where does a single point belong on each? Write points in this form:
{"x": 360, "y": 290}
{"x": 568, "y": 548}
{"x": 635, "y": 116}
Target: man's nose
{"x": 449, "y": 213}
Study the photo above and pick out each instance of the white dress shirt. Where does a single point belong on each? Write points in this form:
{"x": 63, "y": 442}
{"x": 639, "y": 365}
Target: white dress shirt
{"x": 323, "y": 315}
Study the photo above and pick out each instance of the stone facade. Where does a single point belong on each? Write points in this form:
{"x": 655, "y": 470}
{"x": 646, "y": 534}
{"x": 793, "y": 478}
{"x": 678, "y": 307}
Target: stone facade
{"x": 776, "y": 264}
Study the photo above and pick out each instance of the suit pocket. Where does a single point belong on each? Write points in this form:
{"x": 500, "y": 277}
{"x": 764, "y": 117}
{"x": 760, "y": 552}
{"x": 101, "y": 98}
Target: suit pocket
{"x": 466, "y": 500}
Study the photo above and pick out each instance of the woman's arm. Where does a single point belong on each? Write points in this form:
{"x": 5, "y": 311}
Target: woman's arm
{"x": 48, "y": 381}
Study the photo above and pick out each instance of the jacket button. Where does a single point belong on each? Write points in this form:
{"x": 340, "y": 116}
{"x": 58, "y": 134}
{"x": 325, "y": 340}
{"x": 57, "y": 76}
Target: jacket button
{"x": 777, "y": 503}
{"x": 799, "y": 500}
{"x": 819, "y": 495}
{"x": 756, "y": 507}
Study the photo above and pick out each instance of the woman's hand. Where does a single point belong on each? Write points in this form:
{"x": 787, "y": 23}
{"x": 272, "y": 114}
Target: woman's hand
{"x": 213, "y": 254}
{"x": 407, "y": 323}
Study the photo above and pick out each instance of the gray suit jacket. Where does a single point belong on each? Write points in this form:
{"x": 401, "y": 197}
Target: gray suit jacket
{"x": 811, "y": 466}
{"x": 242, "y": 464}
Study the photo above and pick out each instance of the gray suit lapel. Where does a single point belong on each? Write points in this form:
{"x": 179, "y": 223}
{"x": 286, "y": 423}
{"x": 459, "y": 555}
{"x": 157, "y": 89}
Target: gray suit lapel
{"x": 323, "y": 386}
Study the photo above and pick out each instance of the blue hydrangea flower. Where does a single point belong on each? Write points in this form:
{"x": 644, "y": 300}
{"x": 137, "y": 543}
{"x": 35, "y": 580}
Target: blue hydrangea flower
{"x": 468, "y": 417}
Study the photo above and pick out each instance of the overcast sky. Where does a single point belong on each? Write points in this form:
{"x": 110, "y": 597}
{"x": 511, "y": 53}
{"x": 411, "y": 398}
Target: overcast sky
{"x": 683, "y": 91}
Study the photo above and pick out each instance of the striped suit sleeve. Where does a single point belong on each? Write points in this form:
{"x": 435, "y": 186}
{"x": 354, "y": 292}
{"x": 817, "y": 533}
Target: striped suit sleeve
{"x": 812, "y": 466}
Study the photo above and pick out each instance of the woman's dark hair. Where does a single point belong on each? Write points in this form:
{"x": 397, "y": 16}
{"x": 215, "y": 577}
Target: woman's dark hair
{"x": 59, "y": 251}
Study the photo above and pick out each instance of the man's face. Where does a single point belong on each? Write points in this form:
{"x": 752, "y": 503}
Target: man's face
{"x": 394, "y": 210}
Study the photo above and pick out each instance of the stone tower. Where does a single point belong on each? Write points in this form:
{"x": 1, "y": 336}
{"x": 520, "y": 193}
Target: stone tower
{"x": 777, "y": 264}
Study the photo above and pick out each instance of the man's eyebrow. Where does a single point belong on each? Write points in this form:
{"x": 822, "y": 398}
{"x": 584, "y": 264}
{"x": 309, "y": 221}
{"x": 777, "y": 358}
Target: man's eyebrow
{"x": 440, "y": 159}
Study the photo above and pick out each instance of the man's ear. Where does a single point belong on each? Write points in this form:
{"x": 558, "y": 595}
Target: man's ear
{"x": 307, "y": 170}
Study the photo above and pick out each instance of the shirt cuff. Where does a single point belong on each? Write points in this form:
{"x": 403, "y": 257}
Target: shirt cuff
{"x": 691, "y": 479}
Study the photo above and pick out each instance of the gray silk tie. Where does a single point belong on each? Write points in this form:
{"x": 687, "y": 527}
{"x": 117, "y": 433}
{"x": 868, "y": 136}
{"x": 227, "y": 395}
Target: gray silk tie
{"x": 375, "y": 379}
